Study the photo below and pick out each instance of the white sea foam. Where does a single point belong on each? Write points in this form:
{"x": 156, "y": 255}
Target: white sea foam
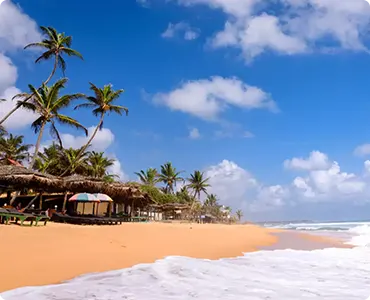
{"x": 340, "y": 274}
{"x": 337, "y": 274}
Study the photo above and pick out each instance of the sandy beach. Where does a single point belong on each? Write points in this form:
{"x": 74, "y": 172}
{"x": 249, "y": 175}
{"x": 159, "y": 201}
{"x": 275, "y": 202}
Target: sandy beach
{"x": 58, "y": 252}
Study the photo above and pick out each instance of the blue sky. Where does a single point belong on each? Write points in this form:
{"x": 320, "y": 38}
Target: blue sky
{"x": 311, "y": 68}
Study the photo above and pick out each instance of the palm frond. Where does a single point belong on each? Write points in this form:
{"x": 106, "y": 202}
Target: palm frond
{"x": 63, "y": 119}
{"x": 39, "y": 45}
{"x": 84, "y": 105}
{"x": 67, "y": 40}
{"x": 28, "y": 106}
{"x": 55, "y": 89}
{"x": 118, "y": 109}
{"x": 45, "y": 56}
{"x": 71, "y": 52}
{"x": 98, "y": 92}
{"x": 37, "y": 124}
{"x": 46, "y": 31}
{"x": 55, "y": 133}
{"x": 62, "y": 64}
{"x": 65, "y": 101}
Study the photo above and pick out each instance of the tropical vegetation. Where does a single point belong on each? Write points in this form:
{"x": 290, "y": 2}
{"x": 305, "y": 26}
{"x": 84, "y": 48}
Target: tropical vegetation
{"x": 48, "y": 103}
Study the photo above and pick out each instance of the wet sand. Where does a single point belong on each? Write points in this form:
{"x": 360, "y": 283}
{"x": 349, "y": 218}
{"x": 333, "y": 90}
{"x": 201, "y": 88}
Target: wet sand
{"x": 302, "y": 241}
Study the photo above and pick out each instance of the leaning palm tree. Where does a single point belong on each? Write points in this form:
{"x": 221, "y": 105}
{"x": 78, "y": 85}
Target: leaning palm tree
{"x": 198, "y": 183}
{"x": 47, "y": 103}
{"x": 170, "y": 176}
{"x": 12, "y": 148}
{"x": 102, "y": 103}
{"x": 56, "y": 45}
{"x": 98, "y": 165}
{"x": 148, "y": 177}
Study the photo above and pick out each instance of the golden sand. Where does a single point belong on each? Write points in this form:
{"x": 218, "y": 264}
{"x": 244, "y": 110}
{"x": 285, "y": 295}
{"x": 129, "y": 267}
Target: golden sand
{"x": 45, "y": 255}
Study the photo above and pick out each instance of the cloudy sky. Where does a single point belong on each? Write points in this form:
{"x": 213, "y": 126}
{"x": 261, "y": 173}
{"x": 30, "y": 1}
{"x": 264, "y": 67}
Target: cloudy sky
{"x": 271, "y": 99}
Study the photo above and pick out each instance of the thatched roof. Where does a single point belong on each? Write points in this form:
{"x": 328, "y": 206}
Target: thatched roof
{"x": 16, "y": 178}
{"x": 171, "y": 206}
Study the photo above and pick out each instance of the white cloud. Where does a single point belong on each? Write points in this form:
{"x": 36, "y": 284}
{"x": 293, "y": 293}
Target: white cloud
{"x": 367, "y": 167}
{"x": 230, "y": 183}
{"x": 103, "y": 139}
{"x": 208, "y": 98}
{"x": 16, "y": 30}
{"x": 188, "y": 33}
{"x": 316, "y": 161}
{"x": 116, "y": 169}
{"x": 362, "y": 150}
{"x": 325, "y": 186}
{"x": 194, "y": 134}
{"x": 329, "y": 184}
{"x": 290, "y": 26}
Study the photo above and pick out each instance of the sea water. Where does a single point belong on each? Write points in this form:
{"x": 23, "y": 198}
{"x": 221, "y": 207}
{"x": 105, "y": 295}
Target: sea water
{"x": 338, "y": 274}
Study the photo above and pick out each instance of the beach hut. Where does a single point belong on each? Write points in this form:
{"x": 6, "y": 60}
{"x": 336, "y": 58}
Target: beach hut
{"x": 18, "y": 179}
{"x": 127, "y": 196}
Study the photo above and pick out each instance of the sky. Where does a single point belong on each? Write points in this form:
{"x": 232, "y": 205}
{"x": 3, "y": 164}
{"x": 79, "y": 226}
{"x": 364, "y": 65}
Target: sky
{"x": 269, "y": 98}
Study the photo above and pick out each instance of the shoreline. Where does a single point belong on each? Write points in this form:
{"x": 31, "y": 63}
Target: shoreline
{"x": 61, "y": 252}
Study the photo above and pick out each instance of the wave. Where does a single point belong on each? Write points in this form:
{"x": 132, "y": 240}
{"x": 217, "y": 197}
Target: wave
{"x": 361, "y": 236}
{"x": 275, "y": 275}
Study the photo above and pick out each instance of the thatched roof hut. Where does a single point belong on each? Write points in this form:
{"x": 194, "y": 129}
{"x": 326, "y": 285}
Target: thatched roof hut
{"x": 17, "y": 178}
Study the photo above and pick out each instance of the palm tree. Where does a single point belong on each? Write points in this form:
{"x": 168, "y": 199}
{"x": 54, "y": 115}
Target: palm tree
{"x": 239, "y": 214}
{"x": 198, "y": 183}
{"x": 98, "y": 164}
{"x": 56, "y": 44}
{"x": 184, "y": 196}
{"x": 101, "y": 104}
{"x": 77, "y": 163}
{"x": 48, "y": 161}
{"x": 12, "y": 148}
{"x": 148, "y": 177}
{"x": 47, "y": 103}
{"x": 169, "y": 176}
{"x": 211, "y": 201}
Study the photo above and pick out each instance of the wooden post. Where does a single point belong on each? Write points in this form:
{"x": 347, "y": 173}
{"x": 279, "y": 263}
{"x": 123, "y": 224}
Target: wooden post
{"x": 40, "y": 201}
{"x": 14, "y": 197}
{"x": 65, "y": 201}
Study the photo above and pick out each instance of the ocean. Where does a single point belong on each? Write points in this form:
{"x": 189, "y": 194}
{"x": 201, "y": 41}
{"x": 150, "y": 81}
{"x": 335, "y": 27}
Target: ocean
{"x": 337, "y": 274}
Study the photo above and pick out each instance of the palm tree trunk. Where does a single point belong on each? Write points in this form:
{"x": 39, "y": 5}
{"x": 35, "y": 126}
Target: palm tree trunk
{"x": 37, "y": 147}
{"x": 53, "y": 71}
{"x": 30, "y": 96}
{"x": 86, "y": 145}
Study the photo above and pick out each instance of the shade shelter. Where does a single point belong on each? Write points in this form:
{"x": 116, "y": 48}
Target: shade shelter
{"x": 82, "y": 198}
{"x": 105, "y": 204}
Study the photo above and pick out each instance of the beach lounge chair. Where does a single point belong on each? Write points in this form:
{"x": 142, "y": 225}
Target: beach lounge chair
{"x": 8, "y": 214}
{"x": 41, "y": 218}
